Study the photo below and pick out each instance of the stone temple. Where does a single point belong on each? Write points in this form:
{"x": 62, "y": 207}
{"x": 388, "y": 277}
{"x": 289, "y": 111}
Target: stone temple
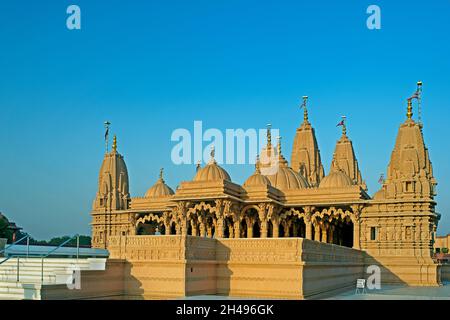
{"x": 292, "y": 230}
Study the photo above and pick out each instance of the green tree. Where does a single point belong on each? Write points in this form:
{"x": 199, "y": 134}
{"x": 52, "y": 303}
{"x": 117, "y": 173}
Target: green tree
{"x": 5, "y": 232}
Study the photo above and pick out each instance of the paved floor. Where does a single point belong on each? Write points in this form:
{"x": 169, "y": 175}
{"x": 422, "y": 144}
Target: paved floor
{"x": 386, "y": 293}
{"x": 399, "y": 293}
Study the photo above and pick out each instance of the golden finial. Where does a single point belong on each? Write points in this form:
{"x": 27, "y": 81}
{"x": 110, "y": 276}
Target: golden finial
{"x": 269, "y": 136}
{"x": 161, "y": 174}
{"x": 114, "y": 144}
{"x": 258, "y": 165}
{"x": 409, "y": 114}
{"x": 279, "y": 145}
{"x": 213, "y": 154}
{"x": 305, "y": 109}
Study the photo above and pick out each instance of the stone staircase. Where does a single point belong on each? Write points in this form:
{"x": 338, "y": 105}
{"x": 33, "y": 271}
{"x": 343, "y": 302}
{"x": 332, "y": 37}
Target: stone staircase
{"x": 28, "y": 285}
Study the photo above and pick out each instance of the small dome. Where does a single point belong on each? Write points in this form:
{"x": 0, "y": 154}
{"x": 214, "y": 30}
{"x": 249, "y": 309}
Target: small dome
{"x": 257, "y": 180}
{"x": 336, "y": 179}
{"x": 212, "y": 172}
{"x": 287, "y": 179}
{"x": 159, "y": 189}
{"x": 379, "y": 195}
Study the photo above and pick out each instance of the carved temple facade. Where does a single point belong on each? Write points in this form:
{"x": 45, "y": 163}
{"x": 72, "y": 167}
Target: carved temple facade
{"x": 396, "y": 227}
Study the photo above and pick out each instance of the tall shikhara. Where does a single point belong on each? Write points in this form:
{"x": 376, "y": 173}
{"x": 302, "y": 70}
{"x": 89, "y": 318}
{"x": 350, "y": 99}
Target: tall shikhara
{"x": 410, "y": 172}
{"x": 305, "y": 158}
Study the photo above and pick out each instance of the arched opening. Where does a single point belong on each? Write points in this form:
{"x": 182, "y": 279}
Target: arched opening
{"x": 173, "y": 229}
{"x": 148, "y": 228}
{"x": 256, "y": 229}
{"x": 269, "y": 229}
{"x": 281, "y": 230}
{"x": 298, "y": 228}
{"x": 347, "y": 233}
{"x": 228, "y": 228}
{"x": 189, "y": 228}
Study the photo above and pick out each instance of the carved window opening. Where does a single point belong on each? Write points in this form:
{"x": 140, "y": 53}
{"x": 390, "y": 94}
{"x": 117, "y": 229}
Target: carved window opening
{"x": 373, "y": 233}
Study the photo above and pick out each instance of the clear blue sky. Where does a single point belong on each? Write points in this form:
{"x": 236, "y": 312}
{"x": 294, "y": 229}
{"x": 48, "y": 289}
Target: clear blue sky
{"x": 153, "y": 66}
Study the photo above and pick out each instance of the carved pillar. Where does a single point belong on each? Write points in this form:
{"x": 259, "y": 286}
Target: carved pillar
{"x": 237, "y": 229}
{"x": 331, "y": 234}
{"x": 168, "y": 228}
{"x": 202, "y": 229}
{"x": 286, "y": 229}
{"x": 166, "y": 221}
{"x": 356, "y": 227}
{"x": 184, "y": 226}
{"x": 250, "y": 223}
{"x": 220, "y": 227}
{"x": 264, "y": 229}
{"x": 231, "y": 231}
{"x": 308, "y": 223}
{"x": 194, "y": 228}
{"x": 317, "y": 232}
{"x": 324, "y": 233}
{"x": 275, "y": 229}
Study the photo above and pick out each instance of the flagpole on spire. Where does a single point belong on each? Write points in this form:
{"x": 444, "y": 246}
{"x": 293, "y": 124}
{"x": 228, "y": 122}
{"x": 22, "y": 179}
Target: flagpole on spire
{"x": 419, "y": 101}
{"x": 107, "y": 125}
{"x": 343, "y": 125}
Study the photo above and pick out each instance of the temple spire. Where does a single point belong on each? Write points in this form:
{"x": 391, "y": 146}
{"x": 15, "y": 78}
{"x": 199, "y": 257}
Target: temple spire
{"x": 305, "y": 157}
{"x": 161, "y": 174}
{"x": 345, "y": 158}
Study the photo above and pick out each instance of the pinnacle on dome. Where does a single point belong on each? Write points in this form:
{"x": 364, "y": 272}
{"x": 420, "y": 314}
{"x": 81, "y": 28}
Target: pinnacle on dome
{"x": 213, "y": 155}
{"x": 258, "y": 165}
{"x": 281, "y": 159}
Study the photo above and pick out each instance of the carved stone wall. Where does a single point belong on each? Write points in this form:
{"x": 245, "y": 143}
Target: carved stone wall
{"x": 288, "y": 268}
